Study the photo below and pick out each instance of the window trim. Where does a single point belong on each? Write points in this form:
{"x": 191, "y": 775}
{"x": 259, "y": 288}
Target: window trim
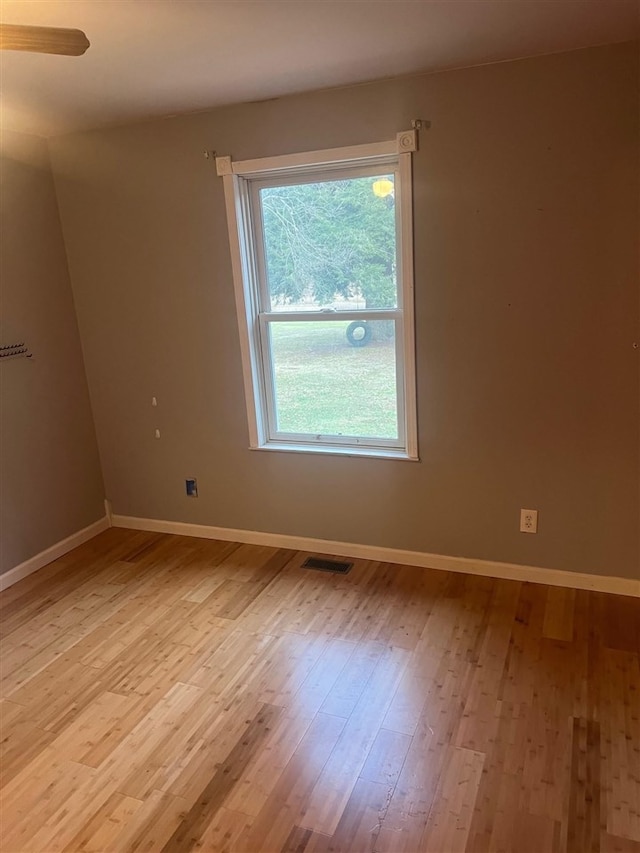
{"x": 239, "y": 181}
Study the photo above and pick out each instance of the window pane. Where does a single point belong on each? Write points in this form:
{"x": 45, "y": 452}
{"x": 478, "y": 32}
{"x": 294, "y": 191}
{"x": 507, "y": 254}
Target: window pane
{"x": 331, "y": 244}
{"x": 335, "y": 378}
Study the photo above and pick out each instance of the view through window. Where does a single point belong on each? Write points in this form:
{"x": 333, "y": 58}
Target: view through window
{"x": 330, "y": 246}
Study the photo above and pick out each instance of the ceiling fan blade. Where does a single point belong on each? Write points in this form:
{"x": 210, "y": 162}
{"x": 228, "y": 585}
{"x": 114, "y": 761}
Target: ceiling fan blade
{"x": 43, "y": 39}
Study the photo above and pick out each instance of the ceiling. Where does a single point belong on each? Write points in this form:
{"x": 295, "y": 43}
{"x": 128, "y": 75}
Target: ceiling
{"x": 161, "y": 57}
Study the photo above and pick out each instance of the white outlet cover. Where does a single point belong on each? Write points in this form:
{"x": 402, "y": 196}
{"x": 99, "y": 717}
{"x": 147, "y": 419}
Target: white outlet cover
{"x": 528, "y": 521}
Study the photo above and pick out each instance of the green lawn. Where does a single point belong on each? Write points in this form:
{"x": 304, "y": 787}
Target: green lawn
{"x": 326, "y": 386}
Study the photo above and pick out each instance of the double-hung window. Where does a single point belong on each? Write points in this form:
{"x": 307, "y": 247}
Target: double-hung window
{"x": 322, "y": 253}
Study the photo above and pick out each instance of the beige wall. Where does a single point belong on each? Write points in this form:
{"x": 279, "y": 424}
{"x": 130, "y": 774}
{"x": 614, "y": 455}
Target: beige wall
{"x": 50, "y": 479}
{"x": 526, "y": 227}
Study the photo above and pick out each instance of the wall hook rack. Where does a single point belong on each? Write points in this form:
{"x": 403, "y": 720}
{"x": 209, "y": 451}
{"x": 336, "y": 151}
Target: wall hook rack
{"x": 20, "y": 350}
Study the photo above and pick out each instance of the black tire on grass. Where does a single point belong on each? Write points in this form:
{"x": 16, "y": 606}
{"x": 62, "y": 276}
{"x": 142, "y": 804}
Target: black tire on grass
{"x": 358, "y": 333}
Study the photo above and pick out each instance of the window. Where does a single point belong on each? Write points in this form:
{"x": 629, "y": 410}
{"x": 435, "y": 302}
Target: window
{"x": 323, "y": 269}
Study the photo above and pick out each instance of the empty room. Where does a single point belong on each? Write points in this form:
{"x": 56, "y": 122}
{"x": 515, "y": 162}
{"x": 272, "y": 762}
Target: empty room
{"x": 320, "y": 426}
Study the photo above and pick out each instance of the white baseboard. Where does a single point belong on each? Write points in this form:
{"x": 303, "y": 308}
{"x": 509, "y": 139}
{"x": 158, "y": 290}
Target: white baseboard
{"x": 50, "y": 554}
{"x": 488, "y": 568}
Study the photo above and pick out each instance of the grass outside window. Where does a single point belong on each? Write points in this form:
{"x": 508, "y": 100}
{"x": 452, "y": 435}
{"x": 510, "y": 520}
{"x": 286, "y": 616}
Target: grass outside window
{"x": 325, "y": 385}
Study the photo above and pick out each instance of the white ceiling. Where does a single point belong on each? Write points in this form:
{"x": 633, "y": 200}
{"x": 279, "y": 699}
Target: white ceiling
{"x": 161, "y": 57}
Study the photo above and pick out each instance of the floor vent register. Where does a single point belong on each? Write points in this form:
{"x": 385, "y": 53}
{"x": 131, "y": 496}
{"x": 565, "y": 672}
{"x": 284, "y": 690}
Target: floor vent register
{"x": 325, "y": 565}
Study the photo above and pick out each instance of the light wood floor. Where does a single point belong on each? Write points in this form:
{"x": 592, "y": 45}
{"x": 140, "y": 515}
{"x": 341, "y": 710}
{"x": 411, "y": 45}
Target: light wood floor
{"x": 168, "y": 693}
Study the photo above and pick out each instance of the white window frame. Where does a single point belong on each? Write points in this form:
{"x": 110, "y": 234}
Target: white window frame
{"x": 242, "y": 181}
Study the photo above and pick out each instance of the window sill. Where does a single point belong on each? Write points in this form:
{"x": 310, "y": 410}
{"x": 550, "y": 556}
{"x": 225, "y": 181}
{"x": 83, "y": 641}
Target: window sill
{"x": 368, "y": 452}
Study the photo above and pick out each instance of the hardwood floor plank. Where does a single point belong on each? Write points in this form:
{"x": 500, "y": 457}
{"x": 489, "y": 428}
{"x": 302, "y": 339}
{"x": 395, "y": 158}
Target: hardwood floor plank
{"x": 615, "y": 844}
{"x": 10, "y": 713}
{"x": 297, "y": 840}
{"x": 295, "y": 657}
{"x": 558, "y": 614}
{"x": 261, "y": 776}
{"x": 499, "y": 793}
{"x": 480, "y": 717}
{"x": 583, "y": 833}
{"x": 386, "y": 757}
{"x": 188, "y": 833}
{"x": 204, "y": 589}
{"x": 79, "y": 739}
{"x": 359, "y": 825}
{"x": 620, "y": 735}
{"x": 446, "y": 654}
{"x": 188, "y": 756}
{"x": 243, "y": 593}
{"x": 135, "y": 751}
{"x": 231, "y": 655}
{"x": 408, "y": 703}
{"x": 351, "y": 681}
{"x": 341, "y": 772}
{"x": 618, "y": 621}
{"x": 45, "y": 785}
{"x": 21, "y": 742}
{"x": 257, "y": 783}
{"x": 21, "y": 663}
{"x": 533, "y": 833}
{"x": 449, "y": 821}
{"x": 102, "y": 830}
{"x": 151, "y": 825}
{"x": 223, "y": 832}
{"x": 104, "y": 742}
{"x": 56, "y": 696}
{"x": 286, "y": 805}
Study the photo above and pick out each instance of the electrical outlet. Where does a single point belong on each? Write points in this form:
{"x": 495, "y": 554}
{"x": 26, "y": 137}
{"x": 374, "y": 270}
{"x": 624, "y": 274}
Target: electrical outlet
{"x": 528, "y": 521}
{"x": 192, "y": 487}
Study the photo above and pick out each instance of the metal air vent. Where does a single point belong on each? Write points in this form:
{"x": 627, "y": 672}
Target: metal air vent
{"x": 325, "y": 565}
